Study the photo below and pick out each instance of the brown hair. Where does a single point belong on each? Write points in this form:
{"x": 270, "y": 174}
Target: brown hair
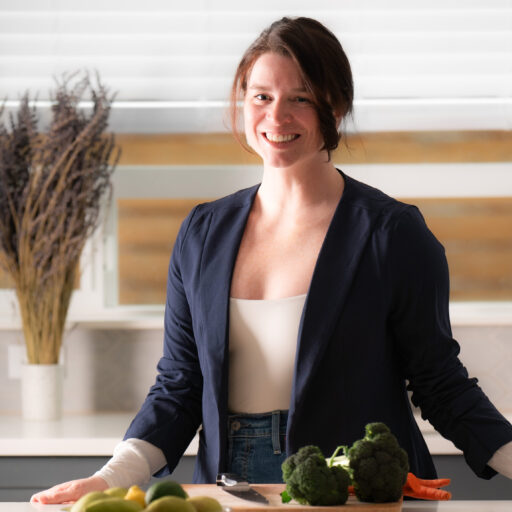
{"x": 322, "y": 62}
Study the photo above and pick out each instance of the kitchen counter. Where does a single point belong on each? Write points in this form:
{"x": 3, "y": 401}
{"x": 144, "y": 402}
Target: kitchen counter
{"x": 49, "y": 452}
{"x": 445, "y": 506}
{"x": 97, "y": 434}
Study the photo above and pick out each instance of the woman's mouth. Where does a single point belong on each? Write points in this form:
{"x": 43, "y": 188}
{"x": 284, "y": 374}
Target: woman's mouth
{"x": 280, "y": 138}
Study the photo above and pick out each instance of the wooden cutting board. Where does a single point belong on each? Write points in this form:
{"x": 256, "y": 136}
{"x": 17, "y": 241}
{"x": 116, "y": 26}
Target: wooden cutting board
{"x": 273, "y": 493}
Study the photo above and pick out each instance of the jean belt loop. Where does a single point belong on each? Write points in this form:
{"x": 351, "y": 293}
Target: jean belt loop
{"x": 276, "y": 445}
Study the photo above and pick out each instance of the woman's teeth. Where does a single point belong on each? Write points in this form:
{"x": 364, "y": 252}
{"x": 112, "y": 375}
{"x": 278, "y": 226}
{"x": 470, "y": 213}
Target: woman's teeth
{"x": 272, "y": 137}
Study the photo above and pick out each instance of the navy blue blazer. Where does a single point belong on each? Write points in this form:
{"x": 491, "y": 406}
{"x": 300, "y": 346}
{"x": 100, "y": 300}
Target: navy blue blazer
{"x": 375, "y": 325}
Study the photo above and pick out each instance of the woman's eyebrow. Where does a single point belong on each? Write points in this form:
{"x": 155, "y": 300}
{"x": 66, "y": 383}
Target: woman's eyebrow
{"x": 265, "y": 87}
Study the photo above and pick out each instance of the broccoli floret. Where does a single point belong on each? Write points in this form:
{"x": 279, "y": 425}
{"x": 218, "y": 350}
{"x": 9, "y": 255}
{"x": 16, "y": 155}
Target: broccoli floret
{"x": 311, "y": 482}
{"x": 377, "y": 465}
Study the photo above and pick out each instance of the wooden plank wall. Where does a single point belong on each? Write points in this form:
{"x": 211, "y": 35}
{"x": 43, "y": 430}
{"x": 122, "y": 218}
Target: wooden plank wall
{"x": 379, "y": 147}
{"x": 476, "y": 232}
{"x": 147, "y": 229}
{"x": 477, "y": 236}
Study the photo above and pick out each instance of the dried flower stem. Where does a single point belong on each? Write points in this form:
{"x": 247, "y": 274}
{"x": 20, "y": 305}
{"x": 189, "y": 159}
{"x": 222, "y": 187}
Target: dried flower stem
{"x": 51, "y": 190}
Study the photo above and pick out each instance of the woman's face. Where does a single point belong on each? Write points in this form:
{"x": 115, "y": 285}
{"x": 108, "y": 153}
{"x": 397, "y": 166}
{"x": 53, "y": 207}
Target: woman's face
{"x": 281, "y": 123}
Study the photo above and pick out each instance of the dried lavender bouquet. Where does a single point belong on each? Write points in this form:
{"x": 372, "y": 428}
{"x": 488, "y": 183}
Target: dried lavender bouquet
{"x": 52, "y": 189}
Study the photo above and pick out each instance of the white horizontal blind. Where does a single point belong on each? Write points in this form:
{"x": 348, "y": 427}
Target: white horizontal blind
{"x": 445, "y": 55}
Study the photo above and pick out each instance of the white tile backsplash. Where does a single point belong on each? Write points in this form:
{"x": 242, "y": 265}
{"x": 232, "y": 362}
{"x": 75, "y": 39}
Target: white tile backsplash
{"x": 112, "y": 370}
{"x": 487, "y": 354}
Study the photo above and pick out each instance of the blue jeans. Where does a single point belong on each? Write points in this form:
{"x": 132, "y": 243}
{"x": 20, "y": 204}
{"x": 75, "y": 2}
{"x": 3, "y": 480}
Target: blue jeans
{"x": 256, "y": 446}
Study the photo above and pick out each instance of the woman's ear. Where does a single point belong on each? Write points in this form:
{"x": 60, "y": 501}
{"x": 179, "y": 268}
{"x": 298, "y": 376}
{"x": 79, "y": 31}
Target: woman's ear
{"x": 338, "y": 116}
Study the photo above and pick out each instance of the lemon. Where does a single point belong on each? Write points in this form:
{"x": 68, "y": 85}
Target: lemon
{"x": 135, "y": 493}
{"x": 205, "y": 504}
{"x": 170, "y": 504}
{"x": 165, "y": 488}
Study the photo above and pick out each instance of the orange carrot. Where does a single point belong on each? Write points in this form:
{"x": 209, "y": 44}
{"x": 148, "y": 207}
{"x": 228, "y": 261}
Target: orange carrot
{"x": 439, "y": 482}
{"x": 428, "y": 493}
{"x": 426, "y": 489}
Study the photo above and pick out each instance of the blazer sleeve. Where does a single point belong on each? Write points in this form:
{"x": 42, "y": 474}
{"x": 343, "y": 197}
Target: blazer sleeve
{"x": 171, "y": 412}
{"x": 419, "y": 319}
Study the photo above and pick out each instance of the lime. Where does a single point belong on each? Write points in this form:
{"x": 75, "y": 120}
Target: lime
{"x": 165, "y": 488}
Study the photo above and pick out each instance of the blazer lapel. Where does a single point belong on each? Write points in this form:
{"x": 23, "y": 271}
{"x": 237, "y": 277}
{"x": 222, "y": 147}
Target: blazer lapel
{"x": 221, "y": 246}
{"x": 337, "y": 263}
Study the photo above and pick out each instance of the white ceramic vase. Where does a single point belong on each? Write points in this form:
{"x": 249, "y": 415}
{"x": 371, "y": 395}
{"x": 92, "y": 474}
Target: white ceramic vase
{"x": 41, "y": 392}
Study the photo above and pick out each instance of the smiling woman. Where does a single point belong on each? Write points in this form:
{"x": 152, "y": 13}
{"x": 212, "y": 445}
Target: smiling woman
{"x": 281, "y": 123}
{"x": 317, "y": 72}
{"x": 362, "y": 288}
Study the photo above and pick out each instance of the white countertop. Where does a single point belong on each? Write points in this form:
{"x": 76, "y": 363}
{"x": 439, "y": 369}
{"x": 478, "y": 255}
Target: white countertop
{"x": 98, "y": 434}
{"x": 435, "y": 506}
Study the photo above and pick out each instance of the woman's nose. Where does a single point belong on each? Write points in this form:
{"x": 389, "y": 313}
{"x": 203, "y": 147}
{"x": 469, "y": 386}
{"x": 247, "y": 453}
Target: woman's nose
{"x": 278, "y": 112}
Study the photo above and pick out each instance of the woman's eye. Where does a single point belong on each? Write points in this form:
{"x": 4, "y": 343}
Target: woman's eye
{"x": 301, "y": 99}
{"x": 261, "y": 97}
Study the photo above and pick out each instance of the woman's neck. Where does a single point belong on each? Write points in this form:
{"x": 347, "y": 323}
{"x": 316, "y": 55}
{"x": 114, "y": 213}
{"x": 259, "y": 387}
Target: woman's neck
{"x": 293, "y": 190}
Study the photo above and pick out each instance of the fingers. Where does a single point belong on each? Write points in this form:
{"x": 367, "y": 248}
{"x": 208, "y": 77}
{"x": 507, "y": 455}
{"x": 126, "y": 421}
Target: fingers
{"x": 53, "y": 495}
{"x": 62, "y": 493}
{"x": 69, "y": 491}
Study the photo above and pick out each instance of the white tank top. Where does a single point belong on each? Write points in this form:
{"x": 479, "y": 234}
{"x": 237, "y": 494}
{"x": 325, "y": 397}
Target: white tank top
{"x": 262, "y": 346}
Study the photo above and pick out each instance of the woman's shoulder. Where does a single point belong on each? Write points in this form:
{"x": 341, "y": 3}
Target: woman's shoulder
{"x": 391, "y": 217}
{"x": 365, "y": 196}
{"x": 198, "y": 219}
{"x": 198, "y": 222}
{"x": 239, "y": 199}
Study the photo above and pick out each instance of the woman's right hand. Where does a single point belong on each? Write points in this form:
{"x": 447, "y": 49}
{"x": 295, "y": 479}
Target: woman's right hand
{"x": 68, "y": 492}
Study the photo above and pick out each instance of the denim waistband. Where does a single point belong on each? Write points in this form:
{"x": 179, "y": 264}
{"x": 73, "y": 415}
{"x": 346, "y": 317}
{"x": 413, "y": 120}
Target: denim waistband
{"x": 271, "y": 424}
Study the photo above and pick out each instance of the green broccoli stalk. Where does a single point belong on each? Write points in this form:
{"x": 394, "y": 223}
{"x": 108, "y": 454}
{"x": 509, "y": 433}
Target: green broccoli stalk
{"x": 310, "y": 481}
{"x": 377, "y": 465}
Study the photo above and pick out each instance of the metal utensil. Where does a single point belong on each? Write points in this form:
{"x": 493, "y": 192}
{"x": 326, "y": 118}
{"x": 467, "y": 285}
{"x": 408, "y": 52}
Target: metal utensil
{"x": 234, "y": 485}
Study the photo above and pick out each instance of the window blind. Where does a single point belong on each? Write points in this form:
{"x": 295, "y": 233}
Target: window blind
{"x": 441, "y": 64}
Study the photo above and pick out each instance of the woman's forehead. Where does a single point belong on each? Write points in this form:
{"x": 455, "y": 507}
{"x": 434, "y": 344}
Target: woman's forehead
{"x": 272, "y": 69}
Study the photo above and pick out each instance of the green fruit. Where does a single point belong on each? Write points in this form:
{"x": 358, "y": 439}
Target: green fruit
{"x": 205, "y": 504}
{"x": 86, "y": 499}
{"x": 165, "y": 488}
{"x": 170, "y": 504}
{"x": 117, "y": 492}
{"x": 112, "y": 504}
